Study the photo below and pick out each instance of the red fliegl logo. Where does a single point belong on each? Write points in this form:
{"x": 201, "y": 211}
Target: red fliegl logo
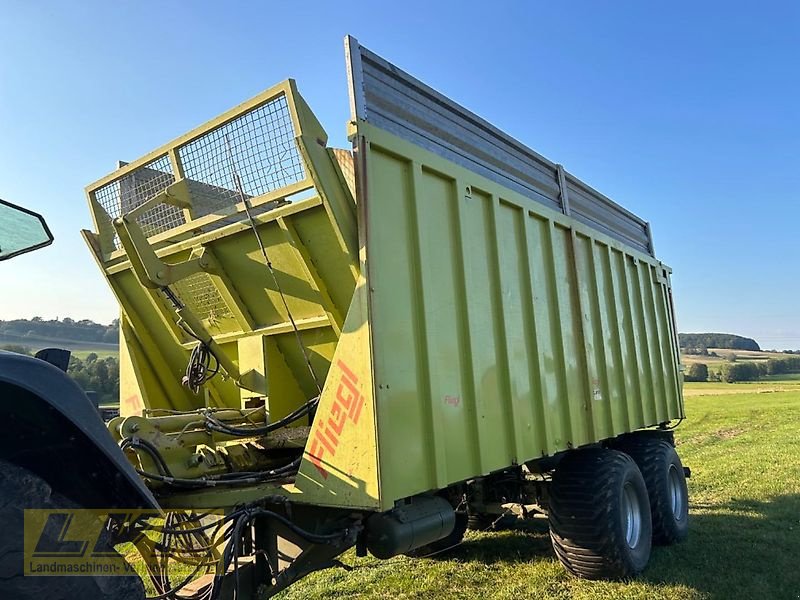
{"x": 347, "y": 405}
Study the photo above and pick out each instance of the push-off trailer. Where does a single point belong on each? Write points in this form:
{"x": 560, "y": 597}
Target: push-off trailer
{"x": 378, "y": 348}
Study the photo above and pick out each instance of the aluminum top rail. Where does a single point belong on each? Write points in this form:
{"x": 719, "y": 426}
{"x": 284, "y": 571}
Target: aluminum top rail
{"x": 390, "y": 98}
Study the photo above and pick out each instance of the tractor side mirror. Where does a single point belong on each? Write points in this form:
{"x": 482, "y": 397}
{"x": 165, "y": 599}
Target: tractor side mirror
{"x": 21, "y": 230}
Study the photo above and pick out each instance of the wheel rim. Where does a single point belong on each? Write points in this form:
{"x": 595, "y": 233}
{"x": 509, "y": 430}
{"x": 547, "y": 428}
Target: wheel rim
{"x": 632, "y": 513}
{"x": 675, "y": 492}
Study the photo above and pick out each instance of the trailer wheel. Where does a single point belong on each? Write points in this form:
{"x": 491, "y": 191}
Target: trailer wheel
{"x": 600, "y": 524}
{"x": 666, "y": 486}
{"x": 21, "y": 489}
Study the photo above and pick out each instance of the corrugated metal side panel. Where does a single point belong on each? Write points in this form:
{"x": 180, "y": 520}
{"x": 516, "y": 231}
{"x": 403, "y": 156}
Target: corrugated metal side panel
{"x": 502, "y": 330}
{"x": 393, "y": 100}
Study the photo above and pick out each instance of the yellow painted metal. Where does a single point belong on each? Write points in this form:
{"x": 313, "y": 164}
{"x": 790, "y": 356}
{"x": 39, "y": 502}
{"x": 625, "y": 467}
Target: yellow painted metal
{"x": 177, "y": 218}
{"x": 501, "y": 331}
{"x": 341, "y": 461}
{"x": 455, "y": 326}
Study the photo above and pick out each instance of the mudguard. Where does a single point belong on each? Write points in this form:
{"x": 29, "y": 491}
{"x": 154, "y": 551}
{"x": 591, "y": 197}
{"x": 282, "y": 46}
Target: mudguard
{"x": 70, "y": 421}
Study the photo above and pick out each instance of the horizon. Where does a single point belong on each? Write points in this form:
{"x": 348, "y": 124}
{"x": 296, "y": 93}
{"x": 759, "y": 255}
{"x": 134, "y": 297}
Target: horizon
{"x": 763, "y": 347}
{"x": 677, "y": 119}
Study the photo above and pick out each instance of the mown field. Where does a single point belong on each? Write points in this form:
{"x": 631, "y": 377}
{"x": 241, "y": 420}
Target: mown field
{"x": 723, "y": 355}
{"x": 79, "y": 349}
{"x": 742, "y": 442}
{"x": 101, "y": 353}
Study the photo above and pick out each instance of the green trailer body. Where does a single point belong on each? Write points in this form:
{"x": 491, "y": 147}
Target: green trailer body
{"x": 460, "y": 305}
{"x": 501, "y": 330}
{"x": 477, "y": 327}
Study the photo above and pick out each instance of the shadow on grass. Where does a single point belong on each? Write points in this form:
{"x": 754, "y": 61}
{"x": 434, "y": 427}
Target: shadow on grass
{"x": 738, "y": 549}
{"x": 523, "y": 543}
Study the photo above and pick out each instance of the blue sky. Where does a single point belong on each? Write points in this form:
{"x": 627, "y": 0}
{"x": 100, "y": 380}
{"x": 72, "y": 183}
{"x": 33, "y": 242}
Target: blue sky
{"x": 686, "y": 113}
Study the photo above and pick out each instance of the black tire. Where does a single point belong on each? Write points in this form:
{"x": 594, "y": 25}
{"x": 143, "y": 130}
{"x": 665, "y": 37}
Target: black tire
{"x": 450, "y": 541}
{"x": 21, "y": 489}
{"x": 666, "y": 486}
{"x": 599, "y": 519}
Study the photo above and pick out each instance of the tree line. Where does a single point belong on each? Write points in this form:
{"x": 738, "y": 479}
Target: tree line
{"x": 92, "y": 374}
{"x": 700, "y": 341}
{"x": 62, "y": 329}
{"x": 733, "y": 372}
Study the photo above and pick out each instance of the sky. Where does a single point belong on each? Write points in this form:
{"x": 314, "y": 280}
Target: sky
{"x": 686, "y": 113}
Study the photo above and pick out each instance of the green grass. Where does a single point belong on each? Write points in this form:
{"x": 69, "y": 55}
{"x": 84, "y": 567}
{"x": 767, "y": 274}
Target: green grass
{"x": 784, "y": 377}
{"x": 101, "y": 353}
{"x": 723, "y": 356}
{"x": 765, "y": 385}
{"x": 742, "y": 442}
{"x": 79, "y": 349}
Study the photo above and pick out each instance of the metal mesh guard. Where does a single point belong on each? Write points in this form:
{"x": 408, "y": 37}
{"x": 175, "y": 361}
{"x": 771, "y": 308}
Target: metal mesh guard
{"x": 200, "y": 295}
{"x": 136, "y": 188}
{"x": 259, "y": 146}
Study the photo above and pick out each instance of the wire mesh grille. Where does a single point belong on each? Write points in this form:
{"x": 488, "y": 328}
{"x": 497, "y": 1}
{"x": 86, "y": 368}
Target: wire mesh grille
{"x": 136, "y": 188}
{"x": 198, "y": 293}
{"x": 258, "y": 146}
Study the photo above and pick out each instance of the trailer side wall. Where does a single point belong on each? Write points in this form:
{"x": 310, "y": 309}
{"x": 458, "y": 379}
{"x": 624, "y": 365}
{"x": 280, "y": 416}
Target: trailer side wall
{"x": 501, "y": 330}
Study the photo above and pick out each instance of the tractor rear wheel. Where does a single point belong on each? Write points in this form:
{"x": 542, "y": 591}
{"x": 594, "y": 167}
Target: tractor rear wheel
{"x": 19, "y": 490}
{"x": 599, "y": 515}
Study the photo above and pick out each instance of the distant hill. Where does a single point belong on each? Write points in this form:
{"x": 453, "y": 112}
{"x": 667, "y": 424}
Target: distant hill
{"x": 67, "y": 330}
{"x": 717, "y": 340}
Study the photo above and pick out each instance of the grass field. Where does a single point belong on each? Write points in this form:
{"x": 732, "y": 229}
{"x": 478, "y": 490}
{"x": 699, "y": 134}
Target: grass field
{"x": 723, "y": 355}
{"x": 101, "y": 353}
{"x": 79, "y": 349}
{"x": 742, "y": 442}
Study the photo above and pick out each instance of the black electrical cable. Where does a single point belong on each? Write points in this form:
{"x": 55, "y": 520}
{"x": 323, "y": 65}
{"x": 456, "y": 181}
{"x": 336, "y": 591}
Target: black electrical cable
{"x": 183, "y": 545}
{"x": 264, "y": 477}
{"x": 671, "y": 427}
{"x": 241, "y": 478}
{"x": 183, "y": 550}
{"x": 215, "y": 424}
{"x": 186, "y": 539}
{"x": 301, "y": 411}
{"x": 173, "y": 531}
{"x": 246, "y": 203}
{"x": 314, "y": 538}
{"x": 277, "y": 471}
{"x": 231, "y": 554}
{"x": 172, "y": 591}
{"x": 161, "y": 581}
{"x": 198, "y": 369}
{"x": 150, "y": 449}
{"x": 176, "y": 481}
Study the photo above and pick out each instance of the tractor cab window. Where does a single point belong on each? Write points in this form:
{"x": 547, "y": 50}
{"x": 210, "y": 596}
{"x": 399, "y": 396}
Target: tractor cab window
{"x": 21, "y": 230}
